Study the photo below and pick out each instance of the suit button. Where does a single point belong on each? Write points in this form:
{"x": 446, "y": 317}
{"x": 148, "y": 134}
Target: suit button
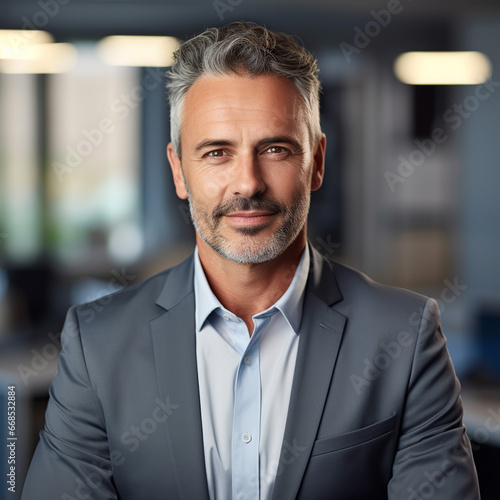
{"x": 247, "y": 437}
{"x": 247, "y": 360}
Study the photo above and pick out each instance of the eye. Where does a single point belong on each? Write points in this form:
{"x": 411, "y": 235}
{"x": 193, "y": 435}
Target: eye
{"x": 216, "y": 153}
{"x": 277, "y": 150}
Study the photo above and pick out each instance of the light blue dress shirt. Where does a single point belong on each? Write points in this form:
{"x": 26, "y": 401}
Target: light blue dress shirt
{"x": 245, "y": 384}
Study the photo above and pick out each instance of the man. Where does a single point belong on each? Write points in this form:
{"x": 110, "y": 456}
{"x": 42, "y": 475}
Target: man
{"x": 255, "y": 369}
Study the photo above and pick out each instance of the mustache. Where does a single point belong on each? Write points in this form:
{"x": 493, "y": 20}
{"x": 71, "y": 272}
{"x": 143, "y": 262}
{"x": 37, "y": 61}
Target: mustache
{"x": 241, "y": 204}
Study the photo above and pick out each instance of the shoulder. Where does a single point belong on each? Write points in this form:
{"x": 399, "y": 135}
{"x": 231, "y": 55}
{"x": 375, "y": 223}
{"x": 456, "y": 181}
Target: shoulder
{"x": 141, "y": 301}
{"x": 365, "y": 296}
{"x": 352, "y": 280}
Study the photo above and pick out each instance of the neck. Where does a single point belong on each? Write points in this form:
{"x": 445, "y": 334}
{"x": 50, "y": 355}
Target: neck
{"x": 247, "y": 289}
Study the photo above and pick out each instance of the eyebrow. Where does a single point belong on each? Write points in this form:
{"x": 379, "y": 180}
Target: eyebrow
{"x": 283, "y": 139}
{"x": 210, "y": 143}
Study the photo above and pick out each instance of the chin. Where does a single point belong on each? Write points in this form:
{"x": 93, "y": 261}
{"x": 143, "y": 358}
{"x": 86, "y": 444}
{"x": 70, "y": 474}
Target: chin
{"x": 251, "y": 249}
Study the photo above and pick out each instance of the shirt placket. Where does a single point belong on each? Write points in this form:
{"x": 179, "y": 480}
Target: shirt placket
{"x": 246, "y": 416}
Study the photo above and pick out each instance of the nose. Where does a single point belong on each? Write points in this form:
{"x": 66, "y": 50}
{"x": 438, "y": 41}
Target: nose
{"x": 247, "y": 178}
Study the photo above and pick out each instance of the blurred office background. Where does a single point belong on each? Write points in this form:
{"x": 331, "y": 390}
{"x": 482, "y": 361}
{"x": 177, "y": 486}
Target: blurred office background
{"x": 411, "y": 193}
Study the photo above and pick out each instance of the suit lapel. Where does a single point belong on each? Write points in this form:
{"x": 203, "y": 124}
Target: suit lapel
{"x": 174, "y": 343}
{"x": 320, "y": 336}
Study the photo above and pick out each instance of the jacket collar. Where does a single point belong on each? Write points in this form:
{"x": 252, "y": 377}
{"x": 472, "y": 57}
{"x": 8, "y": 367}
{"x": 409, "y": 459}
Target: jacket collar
{"x": 322, "y": 281}
{"x": 178, "y": 284}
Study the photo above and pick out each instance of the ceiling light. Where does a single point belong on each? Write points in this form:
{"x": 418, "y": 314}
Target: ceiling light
{"x": 443, "y": 68}
{"x": 141, "y": 51}
{"x": 40, "y": 58}
{"x": 13, "y": 42}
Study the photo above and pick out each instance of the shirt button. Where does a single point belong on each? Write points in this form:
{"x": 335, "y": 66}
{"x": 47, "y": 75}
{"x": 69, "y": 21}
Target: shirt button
{"x": 247, "y": 360}
{"x": 226, "y": 317}
{"x": 247, "y": 437}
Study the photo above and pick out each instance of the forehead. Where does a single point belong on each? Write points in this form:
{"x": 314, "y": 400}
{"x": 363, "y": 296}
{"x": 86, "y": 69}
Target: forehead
{"x": 233, "y": 104}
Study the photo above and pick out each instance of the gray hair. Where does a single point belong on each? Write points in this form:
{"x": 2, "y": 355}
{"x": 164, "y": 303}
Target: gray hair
{"x": 242, "y": 48}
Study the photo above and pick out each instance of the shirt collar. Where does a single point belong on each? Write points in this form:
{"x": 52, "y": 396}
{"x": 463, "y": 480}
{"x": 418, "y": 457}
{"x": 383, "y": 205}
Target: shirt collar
{"x": 289, "y": 304}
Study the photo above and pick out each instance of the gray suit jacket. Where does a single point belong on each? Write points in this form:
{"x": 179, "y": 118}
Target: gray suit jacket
{"x": 375, "y": 411}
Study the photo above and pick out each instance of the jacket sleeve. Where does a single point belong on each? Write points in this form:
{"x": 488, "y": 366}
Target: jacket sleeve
{"x": 434, "y": 456}
{"x": 72, "y": 458}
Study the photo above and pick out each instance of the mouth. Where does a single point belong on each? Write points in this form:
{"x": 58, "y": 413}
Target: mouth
{"x": 250, "y": 217}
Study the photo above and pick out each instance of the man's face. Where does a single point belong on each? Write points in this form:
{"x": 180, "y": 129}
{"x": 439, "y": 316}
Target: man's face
{"x": 248, "y": 164}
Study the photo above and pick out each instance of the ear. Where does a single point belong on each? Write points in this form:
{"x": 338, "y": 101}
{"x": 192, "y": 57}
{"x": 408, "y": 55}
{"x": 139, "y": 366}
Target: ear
{"x": 319, "y": 164}
{"x": 175, "y": 165}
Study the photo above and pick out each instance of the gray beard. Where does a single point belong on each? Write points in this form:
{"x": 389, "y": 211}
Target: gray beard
{"x": 254, "y": 252}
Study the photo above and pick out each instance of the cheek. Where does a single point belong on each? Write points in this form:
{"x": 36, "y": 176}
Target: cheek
{"x": 212, "y": 190}
{"x": 207, "y": 196}
{"x": 290, "y": 185}
{"x": 205, "y": 188}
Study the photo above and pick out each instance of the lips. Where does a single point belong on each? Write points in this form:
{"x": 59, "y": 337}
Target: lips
{"x": 250, "y": 217}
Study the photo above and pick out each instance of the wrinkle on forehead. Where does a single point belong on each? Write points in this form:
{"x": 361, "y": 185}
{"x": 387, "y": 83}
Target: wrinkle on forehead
{"x": 267, "y": 101}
